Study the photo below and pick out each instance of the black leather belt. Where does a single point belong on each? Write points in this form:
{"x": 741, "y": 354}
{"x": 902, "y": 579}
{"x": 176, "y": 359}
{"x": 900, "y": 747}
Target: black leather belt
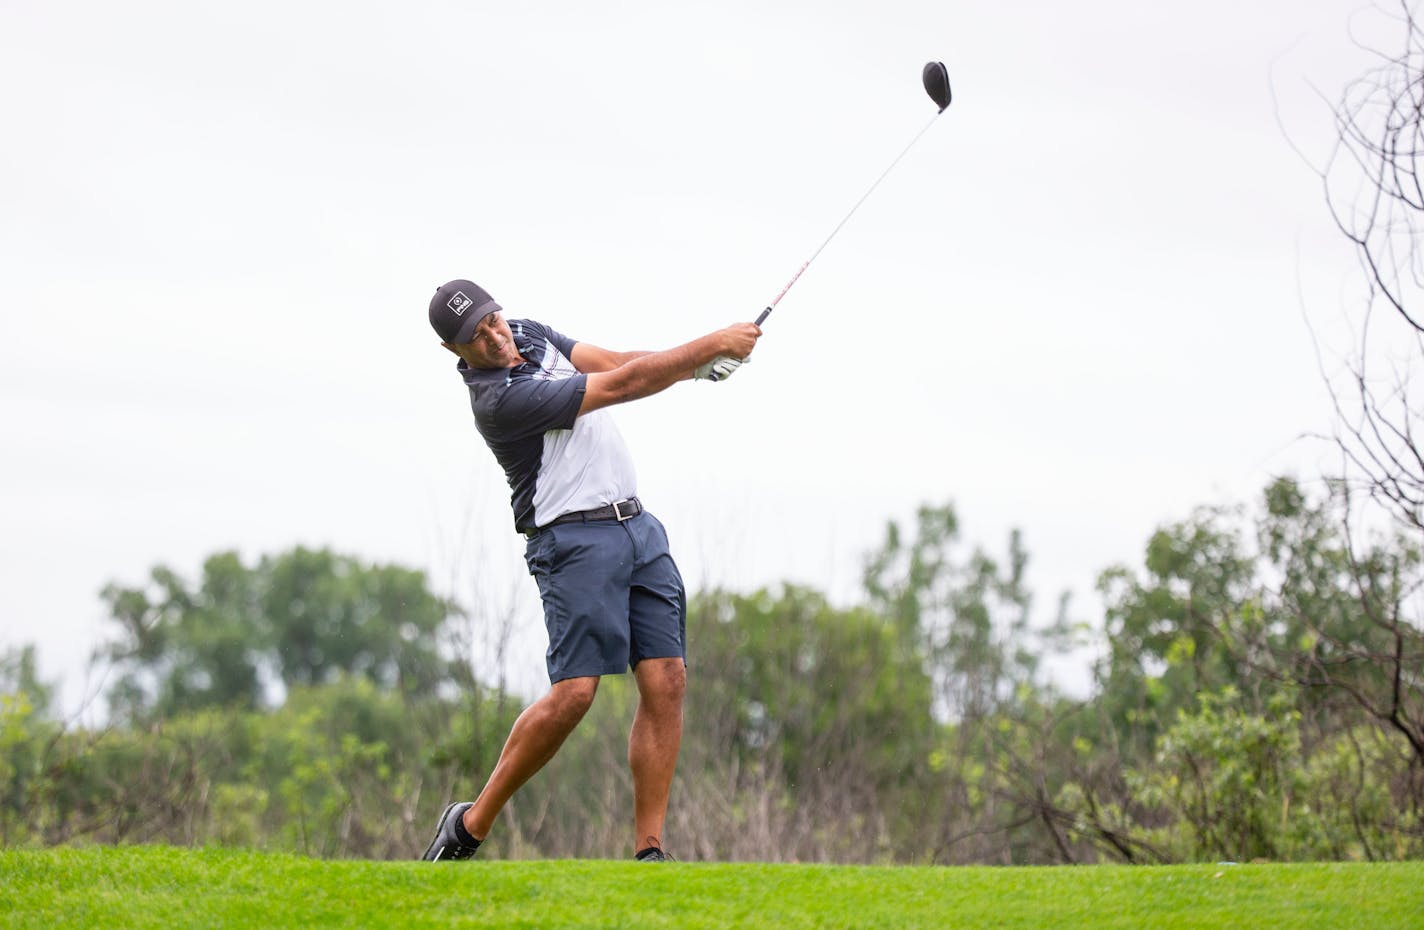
{"x": 618, "y": 510}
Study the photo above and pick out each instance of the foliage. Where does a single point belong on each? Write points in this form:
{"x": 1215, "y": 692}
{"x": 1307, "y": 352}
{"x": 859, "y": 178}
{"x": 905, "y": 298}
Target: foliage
{"x": 1257, "y": 696}
{"x": 26, "y": 737}
{"x": 1249, "y": 677}
{"x": 303, "y": 617}
{"x": 1229, "y": 775}
{"x": 970, "y": 618}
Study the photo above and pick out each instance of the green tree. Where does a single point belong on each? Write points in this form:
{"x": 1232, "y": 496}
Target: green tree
{"x": 966, "y": 614}
{"x": 1161, "y": 643}
{"x": 27, "y": 736}
{"x": 298, "y": 618}
{"x": 329, "y": 615}
{"x": 1230, "y": 774}
{"x": 182, "y": 646}
{"x": 19, "y": 675}
{"x": 1309, "y": 634}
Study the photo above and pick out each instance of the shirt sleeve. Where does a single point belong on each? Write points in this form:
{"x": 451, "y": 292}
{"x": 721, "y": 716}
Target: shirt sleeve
{"x": 561, "y": 342}
{"x": 531, "y": 407}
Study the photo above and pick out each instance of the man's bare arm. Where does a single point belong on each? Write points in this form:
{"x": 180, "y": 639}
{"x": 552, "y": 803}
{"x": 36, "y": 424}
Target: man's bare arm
{"x": 589, "y": 358}
{"x": 649, "y": 373}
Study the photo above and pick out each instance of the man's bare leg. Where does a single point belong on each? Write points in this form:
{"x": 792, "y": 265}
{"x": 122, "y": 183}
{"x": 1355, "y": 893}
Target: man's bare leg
{"x": 533, "y": 740}
{"x": 654, "y": 743}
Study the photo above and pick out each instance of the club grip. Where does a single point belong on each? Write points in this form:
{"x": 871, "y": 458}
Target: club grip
{"x": 764, "y": 314}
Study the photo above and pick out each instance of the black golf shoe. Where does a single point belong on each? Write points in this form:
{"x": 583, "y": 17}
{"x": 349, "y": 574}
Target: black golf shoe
{"x": 448, "y": 843}
{"x": 652, "y": 854}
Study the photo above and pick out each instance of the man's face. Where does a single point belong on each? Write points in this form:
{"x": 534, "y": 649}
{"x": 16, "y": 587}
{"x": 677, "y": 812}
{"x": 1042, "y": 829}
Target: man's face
{"x": 491, "y": 347}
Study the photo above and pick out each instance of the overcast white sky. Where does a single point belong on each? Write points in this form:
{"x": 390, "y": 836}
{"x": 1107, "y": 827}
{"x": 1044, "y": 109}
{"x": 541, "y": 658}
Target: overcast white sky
{"x": 1075, "y": 307}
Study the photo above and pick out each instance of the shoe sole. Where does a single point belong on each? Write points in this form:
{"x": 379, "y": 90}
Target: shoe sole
{"x": 439, "y": 829}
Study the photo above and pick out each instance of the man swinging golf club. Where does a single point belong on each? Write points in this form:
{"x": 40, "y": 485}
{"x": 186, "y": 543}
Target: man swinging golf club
{"x": 613, "y": 598}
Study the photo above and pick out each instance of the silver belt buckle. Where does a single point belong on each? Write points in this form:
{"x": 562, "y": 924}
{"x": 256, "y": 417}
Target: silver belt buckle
{"x": 618, "y": 510}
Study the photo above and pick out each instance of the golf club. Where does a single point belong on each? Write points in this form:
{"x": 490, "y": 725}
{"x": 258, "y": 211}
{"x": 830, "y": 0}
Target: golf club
{"x": 936, "y": 81}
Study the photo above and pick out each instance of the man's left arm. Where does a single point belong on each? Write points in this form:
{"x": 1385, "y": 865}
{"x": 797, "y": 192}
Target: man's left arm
{"x": 589, "y": 358}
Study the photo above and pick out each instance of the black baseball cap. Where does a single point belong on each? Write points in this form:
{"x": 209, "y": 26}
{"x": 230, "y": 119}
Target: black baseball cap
{"x": 457, "y": 308}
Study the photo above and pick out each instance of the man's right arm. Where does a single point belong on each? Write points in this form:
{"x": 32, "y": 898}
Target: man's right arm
{"x": 657, "y": 371}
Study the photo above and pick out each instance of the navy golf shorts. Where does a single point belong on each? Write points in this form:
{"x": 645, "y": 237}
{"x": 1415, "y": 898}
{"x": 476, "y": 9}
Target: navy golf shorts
{"x": 612, "y": 595}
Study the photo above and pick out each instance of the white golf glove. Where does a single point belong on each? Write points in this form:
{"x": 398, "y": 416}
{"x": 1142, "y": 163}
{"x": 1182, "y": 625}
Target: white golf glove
{"x": 719, "y": 369}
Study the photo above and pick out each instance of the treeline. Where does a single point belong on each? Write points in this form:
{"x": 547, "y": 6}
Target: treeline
{"x": 1257, "y": 693}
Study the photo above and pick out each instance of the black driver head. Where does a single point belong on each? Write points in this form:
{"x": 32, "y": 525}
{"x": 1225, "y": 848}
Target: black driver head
{"x": 936, "y": 80}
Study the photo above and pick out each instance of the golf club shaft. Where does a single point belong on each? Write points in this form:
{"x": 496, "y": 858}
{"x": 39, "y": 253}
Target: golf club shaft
{"x": 767, "y": 312}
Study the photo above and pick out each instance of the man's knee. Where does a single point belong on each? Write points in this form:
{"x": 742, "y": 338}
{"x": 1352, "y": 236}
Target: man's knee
{"x": 571, "y": 698}
{"x": 662, "y": 681}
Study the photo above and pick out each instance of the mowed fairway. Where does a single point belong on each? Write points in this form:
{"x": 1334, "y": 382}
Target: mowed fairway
{"x": 167, "y": 887}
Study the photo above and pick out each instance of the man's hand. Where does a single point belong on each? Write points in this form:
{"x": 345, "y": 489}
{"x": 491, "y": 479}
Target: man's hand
{"x": 739, "y": 339}
{"x": 719, "y": 369}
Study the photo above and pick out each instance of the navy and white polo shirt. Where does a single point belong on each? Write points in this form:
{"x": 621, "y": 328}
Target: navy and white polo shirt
{"x": 556, "y": 461}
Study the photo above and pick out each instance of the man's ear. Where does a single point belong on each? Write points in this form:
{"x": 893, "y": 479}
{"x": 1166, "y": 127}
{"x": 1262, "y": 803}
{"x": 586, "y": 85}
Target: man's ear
{"x": 450, "y": 347}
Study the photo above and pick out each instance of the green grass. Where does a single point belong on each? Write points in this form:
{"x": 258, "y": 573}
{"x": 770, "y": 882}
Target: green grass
{"x": 167, "y": 887}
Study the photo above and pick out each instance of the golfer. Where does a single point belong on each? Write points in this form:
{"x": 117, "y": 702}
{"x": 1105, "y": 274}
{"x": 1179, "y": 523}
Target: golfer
{"x": 613, "y": 598}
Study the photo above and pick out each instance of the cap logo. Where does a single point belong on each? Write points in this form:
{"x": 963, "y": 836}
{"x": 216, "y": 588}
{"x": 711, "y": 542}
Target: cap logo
{"x": 459, "y": 303}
